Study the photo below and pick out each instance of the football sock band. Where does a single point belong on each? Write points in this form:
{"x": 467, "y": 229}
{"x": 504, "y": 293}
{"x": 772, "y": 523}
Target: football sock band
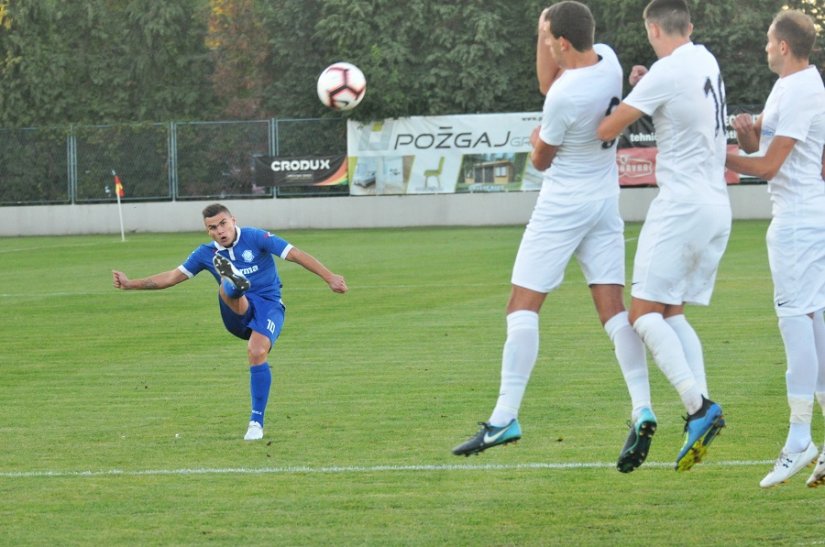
{"x": 518, "y": 358}
{"x": 799, "y": 431}
{"x": 230, "y": 289}
{"x": 632, "y": 357}
{"x": 667, "y": 351}
{"x": 260, "y": 380}
{"x": 692, "y": 347}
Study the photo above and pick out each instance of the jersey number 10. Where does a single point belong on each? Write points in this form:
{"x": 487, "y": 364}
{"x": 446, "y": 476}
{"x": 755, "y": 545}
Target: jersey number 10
{"x": 718, "y": 101}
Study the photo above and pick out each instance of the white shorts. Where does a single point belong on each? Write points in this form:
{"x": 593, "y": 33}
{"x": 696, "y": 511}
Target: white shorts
{"x": 592, "y": 231}
{"x": 679, "y": 250}
{"x": 796, "y": 254}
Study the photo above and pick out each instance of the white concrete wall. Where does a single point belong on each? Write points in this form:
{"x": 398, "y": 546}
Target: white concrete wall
{"x": 749, "y": 201}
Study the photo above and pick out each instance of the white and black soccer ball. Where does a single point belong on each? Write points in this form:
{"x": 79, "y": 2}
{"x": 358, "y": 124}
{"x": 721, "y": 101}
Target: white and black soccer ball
{"x": 341, "y": 86}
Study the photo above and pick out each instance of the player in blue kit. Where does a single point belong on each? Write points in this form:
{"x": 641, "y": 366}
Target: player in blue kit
{"x": 240, "y": 259}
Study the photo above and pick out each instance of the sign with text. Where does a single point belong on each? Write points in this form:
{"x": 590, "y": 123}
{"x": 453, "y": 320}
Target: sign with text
{"x": 442, "y": 154}
{"x": 300, "y": 170}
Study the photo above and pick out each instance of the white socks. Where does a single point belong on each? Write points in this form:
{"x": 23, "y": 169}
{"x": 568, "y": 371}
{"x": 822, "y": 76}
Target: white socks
{"x": 801, "y": 377}
{"x": 819, "y": 338}
{"x": 520, "y": 352}
{"x": 692, "y": 347}
{"x": 666, "y": 347}
{"x": 631, "y": 354}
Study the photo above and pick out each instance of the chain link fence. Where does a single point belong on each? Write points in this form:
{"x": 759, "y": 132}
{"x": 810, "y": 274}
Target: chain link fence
{"x": 158, "y": 162}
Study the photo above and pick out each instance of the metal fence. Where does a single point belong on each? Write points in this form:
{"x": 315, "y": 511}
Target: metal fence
{"x": 158, "y": 162}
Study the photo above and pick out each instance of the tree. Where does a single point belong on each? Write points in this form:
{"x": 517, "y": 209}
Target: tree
{"x": 105, "y": 61}
{"x": 102, "y": 61}
{"x": 237, "y": 39}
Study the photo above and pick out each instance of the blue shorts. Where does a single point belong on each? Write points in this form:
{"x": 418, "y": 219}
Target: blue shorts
{"x": 263, "y": 316}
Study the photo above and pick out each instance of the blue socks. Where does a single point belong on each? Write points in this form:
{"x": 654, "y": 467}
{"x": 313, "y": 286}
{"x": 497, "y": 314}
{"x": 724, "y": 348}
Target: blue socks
{"x": 260, "y": 379}
{"x": 230, "y": 289}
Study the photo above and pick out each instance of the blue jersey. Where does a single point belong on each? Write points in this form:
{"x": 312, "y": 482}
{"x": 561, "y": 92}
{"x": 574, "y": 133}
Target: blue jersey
{"x": 251, "y": 254}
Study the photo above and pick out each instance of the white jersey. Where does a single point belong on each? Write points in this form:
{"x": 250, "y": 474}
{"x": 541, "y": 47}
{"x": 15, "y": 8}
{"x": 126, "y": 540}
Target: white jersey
{"x": 584, "y": 168}
{"x": 685, "y": 95}
{"x": 796, "y": 109}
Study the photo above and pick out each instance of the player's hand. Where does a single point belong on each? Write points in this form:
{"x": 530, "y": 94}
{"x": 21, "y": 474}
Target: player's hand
{"x": 543, "y": 25}
{"x": 119, "y": 279}
{"x": 636, "y": 74}
{"x": 337, "y": 284}
{"x": 742, "y": 123}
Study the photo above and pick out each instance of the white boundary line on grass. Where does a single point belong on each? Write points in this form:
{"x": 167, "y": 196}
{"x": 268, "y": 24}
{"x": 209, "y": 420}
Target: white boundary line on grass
{"x": 306, "y": 470}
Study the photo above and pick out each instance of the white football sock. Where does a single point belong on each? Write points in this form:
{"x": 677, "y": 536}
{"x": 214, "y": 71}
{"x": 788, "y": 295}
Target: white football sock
{"x": 800, "y": 378}
{"x": 819, "y": 339}
{"x": 632, "y": 357}
{"x": 518, "y": 358}
{"x": 692, "y": 347}
{"x": 667, "y": 351}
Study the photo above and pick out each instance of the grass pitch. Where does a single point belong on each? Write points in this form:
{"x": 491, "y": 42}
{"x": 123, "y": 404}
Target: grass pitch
{"x": 122, "y": 413}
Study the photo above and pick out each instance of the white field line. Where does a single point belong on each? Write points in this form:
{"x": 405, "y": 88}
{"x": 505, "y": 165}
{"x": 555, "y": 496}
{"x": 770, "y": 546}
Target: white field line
{"x": 336, "y": 470}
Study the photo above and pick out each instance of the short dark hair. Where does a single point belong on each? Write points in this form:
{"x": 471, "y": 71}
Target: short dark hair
{"x": 214, "y": 210}
{"x": 797, "y": 30}
{"x": 673, "y": 16}
{"x": 574, "y": 22}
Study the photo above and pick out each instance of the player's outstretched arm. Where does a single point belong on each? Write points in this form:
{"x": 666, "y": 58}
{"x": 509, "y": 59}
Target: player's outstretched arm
{"x": 613, "y": 125}
{"x": 336, "y": 282}
{"x": 158, "y": 281}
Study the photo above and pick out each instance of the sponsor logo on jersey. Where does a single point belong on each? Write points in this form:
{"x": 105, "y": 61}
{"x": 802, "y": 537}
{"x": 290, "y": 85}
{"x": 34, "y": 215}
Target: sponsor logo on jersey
{"x": 247, "y": 271}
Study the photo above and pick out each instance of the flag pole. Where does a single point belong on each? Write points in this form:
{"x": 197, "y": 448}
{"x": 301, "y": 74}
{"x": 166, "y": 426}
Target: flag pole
{"x": 118, "y": 190}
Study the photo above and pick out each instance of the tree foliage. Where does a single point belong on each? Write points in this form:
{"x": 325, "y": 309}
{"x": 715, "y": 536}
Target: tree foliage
{"x": 100, "y": 61}
{"x": 103, "y": 61}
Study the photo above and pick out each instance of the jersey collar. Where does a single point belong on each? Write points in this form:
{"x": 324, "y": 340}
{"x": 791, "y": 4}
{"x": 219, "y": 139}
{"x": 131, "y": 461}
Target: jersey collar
{"x": 237, "y": 237}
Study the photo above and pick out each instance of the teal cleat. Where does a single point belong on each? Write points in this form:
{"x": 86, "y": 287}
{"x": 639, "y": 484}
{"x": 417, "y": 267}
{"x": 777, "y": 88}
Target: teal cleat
{"x": 701, "y": 428}
{"x": 638, "y": 441}
{"x": 488, "y": 437}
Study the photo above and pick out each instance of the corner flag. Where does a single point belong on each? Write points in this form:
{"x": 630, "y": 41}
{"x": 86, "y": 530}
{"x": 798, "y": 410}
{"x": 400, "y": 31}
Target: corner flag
{"x": 118, "y": 186}
{"x": 119, "y": 193}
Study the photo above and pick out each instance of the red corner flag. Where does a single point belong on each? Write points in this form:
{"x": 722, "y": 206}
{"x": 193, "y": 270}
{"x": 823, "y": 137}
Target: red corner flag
{"x": 119, "y": 187}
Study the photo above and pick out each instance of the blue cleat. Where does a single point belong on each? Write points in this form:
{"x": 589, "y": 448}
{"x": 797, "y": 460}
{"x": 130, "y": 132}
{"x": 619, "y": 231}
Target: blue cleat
{"x": 701, "y": 428}
{"x": 638, "y": 441}
{"x": 488, "y": 437}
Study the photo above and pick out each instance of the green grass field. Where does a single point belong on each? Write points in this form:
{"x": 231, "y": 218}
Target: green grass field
{"x": 122, "y": 413}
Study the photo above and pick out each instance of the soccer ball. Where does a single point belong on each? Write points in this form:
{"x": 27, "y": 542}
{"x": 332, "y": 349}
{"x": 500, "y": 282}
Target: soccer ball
{"x": 341, "y": 86}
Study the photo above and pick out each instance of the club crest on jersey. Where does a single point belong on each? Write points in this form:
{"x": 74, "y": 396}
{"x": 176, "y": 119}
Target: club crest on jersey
{"x": 248, "y": 256}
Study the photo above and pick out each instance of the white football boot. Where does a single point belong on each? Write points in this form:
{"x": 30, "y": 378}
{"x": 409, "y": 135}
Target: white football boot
{"x": 789, "y": 464}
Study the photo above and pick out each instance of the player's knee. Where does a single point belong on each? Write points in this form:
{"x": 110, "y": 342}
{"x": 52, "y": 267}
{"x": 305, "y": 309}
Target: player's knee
{"x": 257, "y": 353}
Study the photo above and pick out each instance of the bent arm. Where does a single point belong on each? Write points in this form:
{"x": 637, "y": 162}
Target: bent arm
{"x": 747, "y": 132}
{"x": 547, "y": 69}
{"x": 309, "y": 262}
{"x": 542, "y": 154}
{"x": 764, "y": 167}
{"x": 613, "y": 125}
{"x": 162, "y": 280}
